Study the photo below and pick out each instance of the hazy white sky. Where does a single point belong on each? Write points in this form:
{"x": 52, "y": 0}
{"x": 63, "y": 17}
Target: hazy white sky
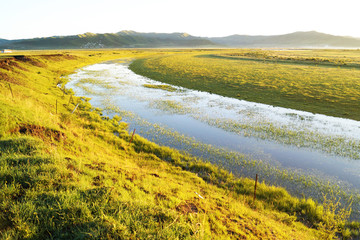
{"x": 43, "y": 18}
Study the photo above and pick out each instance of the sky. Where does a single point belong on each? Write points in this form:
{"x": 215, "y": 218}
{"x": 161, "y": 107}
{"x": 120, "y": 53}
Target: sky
{"x": 20, "y": 19}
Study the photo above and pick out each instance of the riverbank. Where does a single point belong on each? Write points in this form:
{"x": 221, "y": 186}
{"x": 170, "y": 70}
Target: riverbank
{"x": 307, "y": 80}
{"x": 65, "y": 174}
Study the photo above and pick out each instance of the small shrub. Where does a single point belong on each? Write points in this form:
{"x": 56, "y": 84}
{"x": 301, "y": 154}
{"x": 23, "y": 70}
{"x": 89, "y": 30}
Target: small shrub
{"x": 334, "y": 217}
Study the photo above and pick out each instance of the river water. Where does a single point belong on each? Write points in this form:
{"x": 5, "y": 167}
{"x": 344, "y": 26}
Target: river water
{"x": 243, "y": 137}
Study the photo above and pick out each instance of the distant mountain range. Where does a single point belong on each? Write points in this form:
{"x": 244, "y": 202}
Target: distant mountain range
{"x": 131, "y": 39}
{"x": 3, "y": 41}
{"x": 296, "y": 39}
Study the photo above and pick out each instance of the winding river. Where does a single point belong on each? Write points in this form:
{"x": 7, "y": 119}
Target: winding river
{"x": 298, "y": 150}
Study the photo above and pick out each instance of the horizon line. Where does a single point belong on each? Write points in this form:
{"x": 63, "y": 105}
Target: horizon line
{"x": 181, "y": 33}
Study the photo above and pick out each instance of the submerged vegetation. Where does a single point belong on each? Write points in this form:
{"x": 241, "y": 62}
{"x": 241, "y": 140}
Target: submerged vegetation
{"x": 300, "y": 183}
{"x": 68, "y": 172}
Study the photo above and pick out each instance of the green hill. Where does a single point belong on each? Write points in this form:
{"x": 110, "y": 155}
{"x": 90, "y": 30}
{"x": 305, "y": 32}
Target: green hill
{"x": 3, "y": 41}
{"x": 124, "y": 39}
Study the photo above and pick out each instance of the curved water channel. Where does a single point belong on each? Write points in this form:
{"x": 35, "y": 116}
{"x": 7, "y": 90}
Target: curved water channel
{"x": 306, "y": 153}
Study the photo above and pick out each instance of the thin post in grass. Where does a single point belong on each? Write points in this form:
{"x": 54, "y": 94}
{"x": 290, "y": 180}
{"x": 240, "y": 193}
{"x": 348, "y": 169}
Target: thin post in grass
{"x": 70, "y": 100}
{"x": 75, "y": 108}
{"x": 256, "y": 180}
{"x": 12, "y": 95}
{"x": 132, "y": 137}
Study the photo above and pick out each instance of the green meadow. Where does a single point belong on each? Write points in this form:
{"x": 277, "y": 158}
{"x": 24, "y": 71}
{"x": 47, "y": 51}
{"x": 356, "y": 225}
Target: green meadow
{"x": 318, "y": 81}
{"x": 69, "y": 172}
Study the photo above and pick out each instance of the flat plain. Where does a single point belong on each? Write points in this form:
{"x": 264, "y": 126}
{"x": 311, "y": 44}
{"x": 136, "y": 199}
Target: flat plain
{"x": 318, "y": 81}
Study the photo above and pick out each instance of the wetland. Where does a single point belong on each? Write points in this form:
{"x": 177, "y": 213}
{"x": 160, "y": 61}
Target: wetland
{"x": 301, "y": 151}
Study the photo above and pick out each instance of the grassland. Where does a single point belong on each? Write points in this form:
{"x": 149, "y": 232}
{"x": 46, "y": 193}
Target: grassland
{"x": 67, "y": 175}
{"x": 318, "y": 81}
{"x": 163, "y": 87}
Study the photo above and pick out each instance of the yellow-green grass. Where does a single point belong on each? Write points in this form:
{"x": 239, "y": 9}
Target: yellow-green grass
{"x": 69, "y": 176}
{"x": 322, "y": 57}
{"x": 319, "y": 81}
{"x": 160, "y": 86}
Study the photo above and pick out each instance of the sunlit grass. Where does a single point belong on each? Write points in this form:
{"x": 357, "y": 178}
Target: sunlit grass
{"x": 296, "y": 82}
{"x": 66, "y": 175}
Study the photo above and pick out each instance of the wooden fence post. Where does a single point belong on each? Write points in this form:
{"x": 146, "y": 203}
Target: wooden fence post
{"x": 132, "y": 137}
{"x": 75, "y": 108}
{"x": 256, "y": 180}
{"x": 70, "y": 100}
{"x": 12, "y": 95}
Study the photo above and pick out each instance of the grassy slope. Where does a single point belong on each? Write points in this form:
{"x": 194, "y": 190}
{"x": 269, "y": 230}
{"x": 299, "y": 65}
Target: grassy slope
{"x": 68, "y": 176}
{"x": 328, "y": 83}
